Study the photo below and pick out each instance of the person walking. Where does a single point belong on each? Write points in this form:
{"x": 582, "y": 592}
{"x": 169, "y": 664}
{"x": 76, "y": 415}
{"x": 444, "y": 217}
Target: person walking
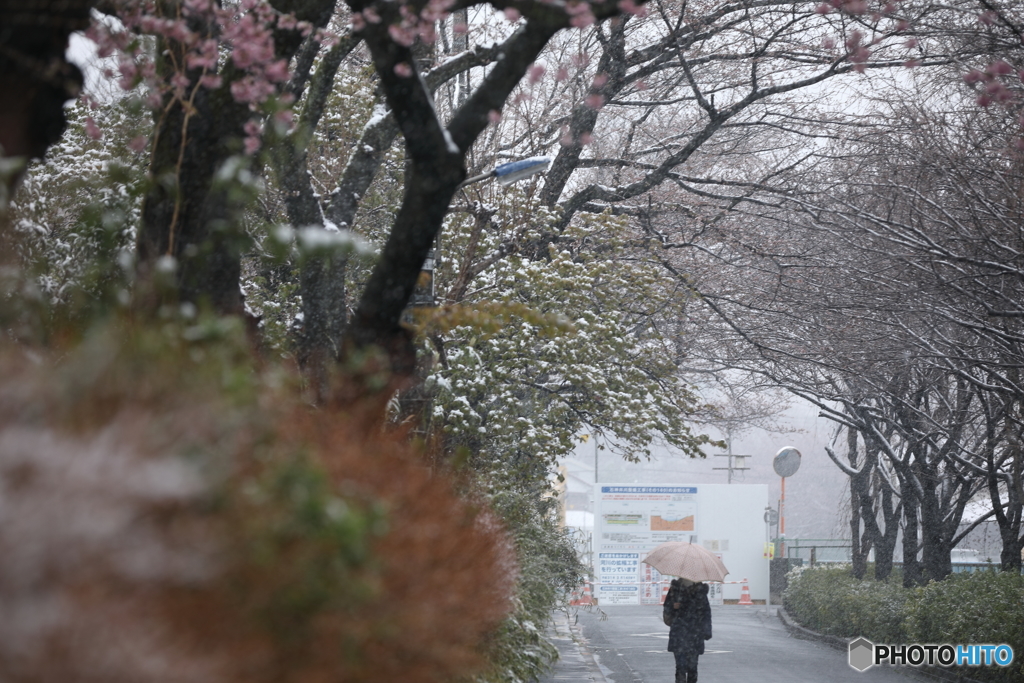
{"x": 687, "y": 613}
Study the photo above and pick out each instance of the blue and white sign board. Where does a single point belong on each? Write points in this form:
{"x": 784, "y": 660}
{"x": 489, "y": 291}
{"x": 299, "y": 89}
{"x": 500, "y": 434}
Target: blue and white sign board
{"x": 618, "y": 567}
{"x": 632, "y": 519}
{"x": 617, "y": 595}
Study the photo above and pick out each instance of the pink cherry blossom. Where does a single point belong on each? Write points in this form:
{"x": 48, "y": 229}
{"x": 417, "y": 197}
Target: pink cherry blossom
{"x": 401, "y": 35}
{"x": 180, "y": 82}
{"x": 583, "y": 19}
{"x": 198, "y": 7}
{"x": 277, "y": 71}
{"x": 129, "y": 72}
{"x": 999, "y": 68}
{"x": 580, "y": 60}
{"x": 91, "y": 129}
{"x": 204, "y": 56}
{"x": 427, "y": 33}
{"x": 630, "y": 7}
{"x": 974, "y": 76}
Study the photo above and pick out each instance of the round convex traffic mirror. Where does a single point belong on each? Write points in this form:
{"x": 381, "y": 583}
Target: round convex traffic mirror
{"x": 787, "y": 461}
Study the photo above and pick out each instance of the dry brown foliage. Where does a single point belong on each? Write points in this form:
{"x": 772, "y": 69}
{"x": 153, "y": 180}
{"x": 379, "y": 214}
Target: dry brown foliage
{"x": 166, "y": 514}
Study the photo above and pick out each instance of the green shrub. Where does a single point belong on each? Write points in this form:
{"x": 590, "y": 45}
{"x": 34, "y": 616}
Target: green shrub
{"x": 983, "y": 607}
{"x": 548, "y": 569}
{"x": 834, "y": 602}
{"x": 978, "y": 608}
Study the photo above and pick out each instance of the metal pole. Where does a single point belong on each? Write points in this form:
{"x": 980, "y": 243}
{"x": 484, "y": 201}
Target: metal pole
{"x": 476, "y": 179}
{"x": 593, "y": 555}
{"x": 782, "y": 520}
{"x": 729, "y": 480}
{"x": 767, "y": 535}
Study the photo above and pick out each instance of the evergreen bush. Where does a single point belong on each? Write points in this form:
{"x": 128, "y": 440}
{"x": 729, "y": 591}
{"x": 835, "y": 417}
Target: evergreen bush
{"x": 964, "y": 609}
{"x": 832, "y": 601}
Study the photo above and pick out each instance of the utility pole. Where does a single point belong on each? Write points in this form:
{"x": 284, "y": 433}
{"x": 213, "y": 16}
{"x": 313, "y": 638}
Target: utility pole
{"x": 736, "y": 462}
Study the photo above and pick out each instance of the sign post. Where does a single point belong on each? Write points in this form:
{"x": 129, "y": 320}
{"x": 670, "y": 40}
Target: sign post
{"x": 786, "y": 463}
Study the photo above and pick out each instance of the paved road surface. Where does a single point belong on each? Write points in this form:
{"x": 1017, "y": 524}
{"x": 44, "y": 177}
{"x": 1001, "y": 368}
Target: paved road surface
{"x": 748, "y": 647}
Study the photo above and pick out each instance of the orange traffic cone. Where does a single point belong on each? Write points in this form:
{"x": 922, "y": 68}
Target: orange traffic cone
{"x": 584, "y": 596}
{"x": 588, "y": 594}
{"x": 745, "y": 594}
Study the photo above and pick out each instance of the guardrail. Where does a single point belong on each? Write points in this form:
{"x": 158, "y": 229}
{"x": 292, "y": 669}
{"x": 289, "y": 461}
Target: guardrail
{"x": 651, "y": 592}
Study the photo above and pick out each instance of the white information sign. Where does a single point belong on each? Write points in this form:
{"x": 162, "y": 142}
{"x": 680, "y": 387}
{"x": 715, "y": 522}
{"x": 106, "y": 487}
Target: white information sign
{"x": 617, "y": 567}
{"x": 641, "y": 517}
{"x": 715, "y": 595}
{"x": 632, "y": 519}
{"x": 611, "y": 594}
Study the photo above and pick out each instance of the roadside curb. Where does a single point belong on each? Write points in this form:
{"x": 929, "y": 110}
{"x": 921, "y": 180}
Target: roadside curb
{"x": 932, "y": 673}
{"x": 585, "y": 651}
{"x": 798, "y": 631}
{"x": 576, "y": 662}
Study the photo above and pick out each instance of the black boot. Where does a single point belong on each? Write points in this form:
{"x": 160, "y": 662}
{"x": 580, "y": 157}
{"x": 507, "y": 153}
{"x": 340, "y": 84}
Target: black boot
{"x": 691, "y": 676}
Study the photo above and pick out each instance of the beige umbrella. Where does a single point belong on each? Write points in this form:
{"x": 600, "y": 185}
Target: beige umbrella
{"x": 687, "y": 561}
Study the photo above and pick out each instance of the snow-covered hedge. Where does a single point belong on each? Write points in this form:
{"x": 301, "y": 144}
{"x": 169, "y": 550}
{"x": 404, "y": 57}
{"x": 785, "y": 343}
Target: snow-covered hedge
{"x": 832, "y": 601}
{"x": 983, "y": 607}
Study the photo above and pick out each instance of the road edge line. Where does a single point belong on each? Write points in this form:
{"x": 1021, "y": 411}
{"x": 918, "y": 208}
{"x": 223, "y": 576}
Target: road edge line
{"x": 588, "y": 656}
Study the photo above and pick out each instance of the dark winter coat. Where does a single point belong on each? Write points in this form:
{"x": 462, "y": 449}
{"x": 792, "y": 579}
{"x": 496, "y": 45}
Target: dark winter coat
{"x": 690, "y": 623}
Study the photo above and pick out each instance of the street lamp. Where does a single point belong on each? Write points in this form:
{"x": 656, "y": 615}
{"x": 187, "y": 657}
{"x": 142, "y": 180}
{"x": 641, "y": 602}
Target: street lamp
{"x": 512, "y": 171}
{"x": 423, "y": 292}
{"x": 506, "y": 174}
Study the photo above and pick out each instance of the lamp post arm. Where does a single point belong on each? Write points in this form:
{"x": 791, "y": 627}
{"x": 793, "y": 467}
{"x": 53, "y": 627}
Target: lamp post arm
{"x": 476, "y": 179}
